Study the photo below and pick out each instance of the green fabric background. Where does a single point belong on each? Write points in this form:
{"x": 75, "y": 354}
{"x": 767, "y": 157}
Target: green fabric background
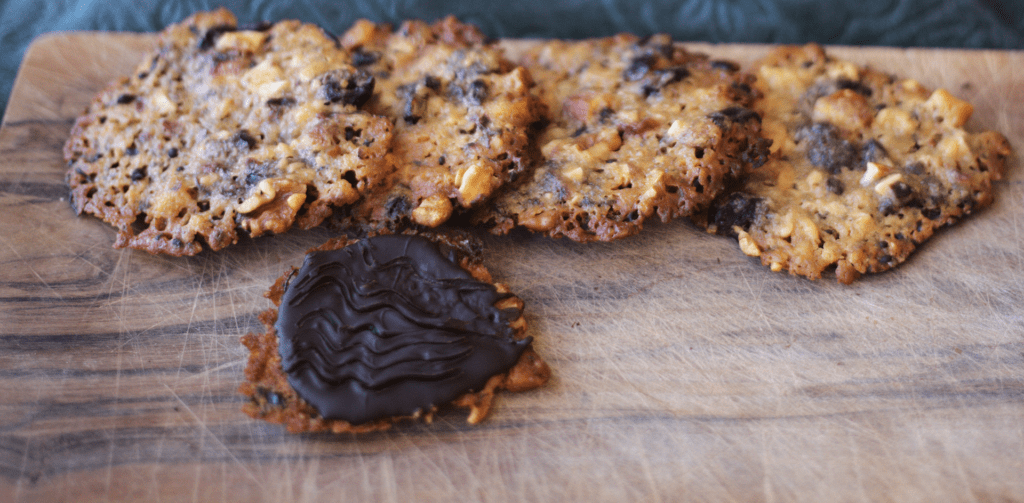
{"x": 926, "y": 23}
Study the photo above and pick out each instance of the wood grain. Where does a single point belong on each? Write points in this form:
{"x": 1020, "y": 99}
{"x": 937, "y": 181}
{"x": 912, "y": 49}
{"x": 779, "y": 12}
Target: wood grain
{"x": 684, "y": 371}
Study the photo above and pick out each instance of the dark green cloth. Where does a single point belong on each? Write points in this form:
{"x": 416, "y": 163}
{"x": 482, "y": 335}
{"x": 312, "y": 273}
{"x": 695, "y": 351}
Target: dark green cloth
{"x": 925, "y": 23}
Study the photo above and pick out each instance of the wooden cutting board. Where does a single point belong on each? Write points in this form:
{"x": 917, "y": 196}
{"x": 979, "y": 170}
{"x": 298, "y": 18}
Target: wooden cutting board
{"x": 683, "y": 370}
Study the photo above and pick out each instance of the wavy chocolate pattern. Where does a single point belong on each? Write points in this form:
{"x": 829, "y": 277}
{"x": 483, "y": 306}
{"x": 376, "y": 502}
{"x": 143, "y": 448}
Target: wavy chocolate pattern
{"x": 390, "y": 326}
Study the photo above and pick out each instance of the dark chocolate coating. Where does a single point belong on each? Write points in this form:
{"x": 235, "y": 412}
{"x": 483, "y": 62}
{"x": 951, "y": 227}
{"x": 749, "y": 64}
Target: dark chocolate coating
{"x": 390, "y": 326}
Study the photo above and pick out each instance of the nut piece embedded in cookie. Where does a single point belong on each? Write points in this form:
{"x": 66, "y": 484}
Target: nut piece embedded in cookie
{"x": 864, "y": 167}
{"x": 224, "y": 130}
{"x": 634, "y": 128}
{"x": 385, "y": 328}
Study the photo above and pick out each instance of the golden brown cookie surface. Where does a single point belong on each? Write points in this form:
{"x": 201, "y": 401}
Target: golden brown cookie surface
{"x": 864, "y": 167}
{"x": 222, "y": 130}
{"x": 634, "y": 128}
{"x": 461, "y": 115}
{"x": 368, "y": 332}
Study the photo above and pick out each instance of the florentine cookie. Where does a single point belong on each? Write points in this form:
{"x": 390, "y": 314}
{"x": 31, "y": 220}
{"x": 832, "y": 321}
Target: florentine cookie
{"x": 634, "y": 127}
{"x": 223, "y": 129}
{"x": 864, "y": 167}
{"x": 390, "y": 327}
{"x": 461, "y": 114}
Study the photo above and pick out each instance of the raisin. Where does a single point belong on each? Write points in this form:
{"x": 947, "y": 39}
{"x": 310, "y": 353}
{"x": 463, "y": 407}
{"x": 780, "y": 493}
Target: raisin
{"x": 172, "y": 153}
{"x": 738, "y": 210}
{"x": 362, "y": 57}
{"x": 138, "y": 174}
{"x": 356, "y": 90}
{"x": 132, "y": 150}
{"x": 415, "y": 104}
{"x": 914, "y": 168}
{"x": 721, "y": 64}
{"x": 397, "y": 207}
{"x": 352, "y": 133}
{"x": 743, "y": 88}
{"x": 244, "y": 140}
{"x": 757, "y": 152}
{"x": 854, "y": 86}
{"x": 902, "y": 191}
{"x": 210, "y": 37}
{"x": 658, "y": 79}
{"x": 639, "y": 66}
{"x": 280, "y": 102}
{"x": 432, "y": 83}
{"x": 835, "y": 186}
{"x": 477, "y": 92}
{"x": 272, "y": 397}
{"x": 125, "y": 99}
{"x": 873, "y": 151}
{"x": 826, "y": 148}
{"x": 723, "y": 117}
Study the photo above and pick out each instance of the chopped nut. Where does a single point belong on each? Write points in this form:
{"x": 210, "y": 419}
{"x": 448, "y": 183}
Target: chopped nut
{"x": 432, "y": 211}
{"x": 574, "y": 174}
{"x": 747, "y": 244}
{"x": 873, "y": 173}
{"x": 249, "y": 41}
{"x": 295, "y": 201}
{"x": 949, "y": 108}
{"x": 954, "y": 148}
{"x": 815, "y": 178}
{"x": 675, "y": 129}
{"x": 313, "y": 69}
{"x": 263, "y": 73}
{"x": 900, "y": 122}
{"x": 272, "y": 89}
{"x": 884, "y": 187}
{"x": 844, "y": 108}
{"x": 162, "y": 104}
{"x": 264, "y": 194}
{"x": 477, "y": 183}
{"x": 843, "y": 70}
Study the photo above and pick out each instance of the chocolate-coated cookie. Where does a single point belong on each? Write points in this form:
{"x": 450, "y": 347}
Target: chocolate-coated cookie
{"x": 368, "y": 332}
